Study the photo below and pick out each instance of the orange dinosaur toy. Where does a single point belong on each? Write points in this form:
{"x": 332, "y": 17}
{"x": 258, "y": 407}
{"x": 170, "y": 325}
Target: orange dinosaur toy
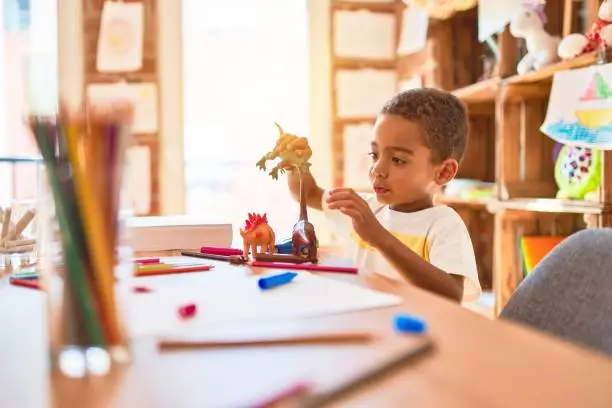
{"x": 257, "y": 234}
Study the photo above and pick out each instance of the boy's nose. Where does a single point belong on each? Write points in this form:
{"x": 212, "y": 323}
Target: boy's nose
{"x": 379, "y": 171}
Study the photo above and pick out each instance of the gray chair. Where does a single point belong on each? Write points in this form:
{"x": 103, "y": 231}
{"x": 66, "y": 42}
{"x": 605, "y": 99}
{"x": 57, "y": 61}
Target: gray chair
{"x": 569, "y": 293}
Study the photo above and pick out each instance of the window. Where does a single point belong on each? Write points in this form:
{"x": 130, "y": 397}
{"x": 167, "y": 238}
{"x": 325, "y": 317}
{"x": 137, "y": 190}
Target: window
{"x": 246, "y": 65}
{"x": 28, "y": 83}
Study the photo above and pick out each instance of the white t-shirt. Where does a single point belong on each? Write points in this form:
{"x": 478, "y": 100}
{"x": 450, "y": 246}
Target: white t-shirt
{"x": 437, "y": 234}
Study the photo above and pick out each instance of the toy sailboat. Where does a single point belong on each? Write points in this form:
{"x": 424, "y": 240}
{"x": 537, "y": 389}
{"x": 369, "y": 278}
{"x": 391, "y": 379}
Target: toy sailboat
{"x": 590, "y": 115}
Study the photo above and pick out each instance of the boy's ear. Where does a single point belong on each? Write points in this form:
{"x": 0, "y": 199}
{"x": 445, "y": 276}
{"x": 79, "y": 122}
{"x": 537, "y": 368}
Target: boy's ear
{"x": 447, "y": 171}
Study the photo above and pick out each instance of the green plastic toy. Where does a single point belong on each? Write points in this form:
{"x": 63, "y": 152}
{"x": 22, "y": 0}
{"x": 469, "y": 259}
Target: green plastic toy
{"x": 577, "y": 171}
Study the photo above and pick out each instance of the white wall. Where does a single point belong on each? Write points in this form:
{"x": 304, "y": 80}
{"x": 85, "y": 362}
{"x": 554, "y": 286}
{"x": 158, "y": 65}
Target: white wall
{"x": 2, "y": 84}
{"x": 70, "y": 51}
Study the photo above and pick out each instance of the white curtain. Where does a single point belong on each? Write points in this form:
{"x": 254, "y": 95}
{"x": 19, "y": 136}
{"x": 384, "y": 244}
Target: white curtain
{"x": 246, "y": 65}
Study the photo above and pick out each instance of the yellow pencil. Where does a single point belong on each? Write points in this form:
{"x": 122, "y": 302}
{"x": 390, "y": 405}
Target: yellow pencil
{"x": 94, "y": 228}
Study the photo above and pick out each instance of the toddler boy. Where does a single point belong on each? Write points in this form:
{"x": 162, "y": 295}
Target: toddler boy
{"x": 420, "y": 137}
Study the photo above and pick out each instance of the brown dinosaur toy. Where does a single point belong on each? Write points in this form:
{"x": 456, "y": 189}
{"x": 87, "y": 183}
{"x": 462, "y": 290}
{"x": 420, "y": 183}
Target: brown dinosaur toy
{"x": 292, "y": 150}
{"x": 303, "y": 231}
{"x": 257, "y": 235}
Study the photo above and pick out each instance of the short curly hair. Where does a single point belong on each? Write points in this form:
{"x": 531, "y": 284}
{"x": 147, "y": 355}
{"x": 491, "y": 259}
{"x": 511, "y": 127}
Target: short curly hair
{"x": 441, "y": 115}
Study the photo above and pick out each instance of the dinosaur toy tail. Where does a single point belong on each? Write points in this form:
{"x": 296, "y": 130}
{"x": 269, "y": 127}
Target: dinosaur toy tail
{"x": 280, "y": 129}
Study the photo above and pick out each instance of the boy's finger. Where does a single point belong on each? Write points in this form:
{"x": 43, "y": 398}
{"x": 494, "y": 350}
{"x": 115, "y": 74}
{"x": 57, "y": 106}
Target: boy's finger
{"x": 343, "y": 203}
{"x": 348, "y": 196}
{"x": 354, "y": 214}
{"x": 341, "y": 194}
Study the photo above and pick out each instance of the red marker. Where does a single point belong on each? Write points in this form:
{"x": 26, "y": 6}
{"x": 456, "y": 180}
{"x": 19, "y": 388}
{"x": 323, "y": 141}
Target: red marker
{"x": 220, "y": 251}
{"x": 26, "y": 283}
{"x": 146, "y": 261}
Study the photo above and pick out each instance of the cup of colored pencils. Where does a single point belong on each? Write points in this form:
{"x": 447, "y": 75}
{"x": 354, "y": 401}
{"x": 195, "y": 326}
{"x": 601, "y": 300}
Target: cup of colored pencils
{"x": 84, "y": 155}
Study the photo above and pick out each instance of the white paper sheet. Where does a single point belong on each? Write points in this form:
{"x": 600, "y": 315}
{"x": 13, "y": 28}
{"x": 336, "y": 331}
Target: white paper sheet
{"x": 363, "y": 92}
{"x": 357, "y": 145}
{"x": 139, "y": 178}
{"x": 415, "y": 26}
{"x": 493, "y": 15}
{"x": 230, "y": 298}
{"x": 120, "y": 42}
{"x": 580, "y": 108}
{"x": 142, "y": 95}
{"x": 364, "y": 34}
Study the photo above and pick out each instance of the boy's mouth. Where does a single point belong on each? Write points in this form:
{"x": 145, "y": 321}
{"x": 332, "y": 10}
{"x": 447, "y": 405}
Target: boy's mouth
{"x": 381, "y": 190}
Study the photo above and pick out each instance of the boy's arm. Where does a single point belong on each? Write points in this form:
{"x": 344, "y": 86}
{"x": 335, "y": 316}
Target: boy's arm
{"x": 434, "y": 276}
{"x": 314, "y": 193}
{"x": 417, "y": 270}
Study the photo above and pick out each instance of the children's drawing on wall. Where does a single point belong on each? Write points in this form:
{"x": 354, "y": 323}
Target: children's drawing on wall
{"x": 580, "y": 108}
{"x": 120, "y": 42}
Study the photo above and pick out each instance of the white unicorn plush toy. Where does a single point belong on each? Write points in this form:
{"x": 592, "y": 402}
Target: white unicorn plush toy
{"x": 541, "y": 46}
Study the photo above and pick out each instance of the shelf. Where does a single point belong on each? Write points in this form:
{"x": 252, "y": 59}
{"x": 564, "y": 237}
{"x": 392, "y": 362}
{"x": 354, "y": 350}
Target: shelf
{"x": 546, "y": 205}
{"x": 357, "y": 120}
{"x": 373, "y": 6}
{"x": 480, "y": 92}
{"x": 547, "y": 73}
{"x": 361, "y": 63}
{"x": 474, "y": 203}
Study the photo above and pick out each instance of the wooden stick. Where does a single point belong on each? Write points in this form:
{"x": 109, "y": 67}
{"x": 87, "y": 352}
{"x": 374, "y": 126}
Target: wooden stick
{"x": 6, "y": 223}
{"x": 20, "y": 242}
{"x": 325, "y": 338}
{"x": 18, "y": 249}
{"x": 23, "y": 223}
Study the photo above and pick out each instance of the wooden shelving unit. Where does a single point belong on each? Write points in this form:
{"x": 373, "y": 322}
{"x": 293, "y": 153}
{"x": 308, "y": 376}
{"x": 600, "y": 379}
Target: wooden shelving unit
{"x": 506, "y": 111}
{"x": 343, "y": 63}
{"x": 92, "y": 11}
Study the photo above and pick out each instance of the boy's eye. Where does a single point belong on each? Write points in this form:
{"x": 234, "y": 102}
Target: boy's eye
{"x": 397, "y": 160}
{"x": 373, "y": 155}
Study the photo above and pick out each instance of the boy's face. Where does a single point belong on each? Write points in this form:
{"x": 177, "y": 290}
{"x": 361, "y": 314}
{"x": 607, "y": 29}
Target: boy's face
{"x": 403, "y": 172}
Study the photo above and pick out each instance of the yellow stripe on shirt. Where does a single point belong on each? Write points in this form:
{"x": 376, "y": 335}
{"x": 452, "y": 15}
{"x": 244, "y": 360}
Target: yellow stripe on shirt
{"x": 419, "y": 245}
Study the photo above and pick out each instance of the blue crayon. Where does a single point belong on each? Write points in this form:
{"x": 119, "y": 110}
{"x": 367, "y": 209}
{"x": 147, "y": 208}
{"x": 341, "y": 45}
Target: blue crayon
{"x": 270, "y": 282}
{"x": 405, "y": 323}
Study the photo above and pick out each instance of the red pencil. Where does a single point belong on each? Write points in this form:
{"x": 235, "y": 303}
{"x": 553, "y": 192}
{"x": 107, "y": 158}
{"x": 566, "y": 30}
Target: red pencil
{"x": 307, "y": 267}
{"x": 172, "y": 270}
{"x": 26, "y": 283}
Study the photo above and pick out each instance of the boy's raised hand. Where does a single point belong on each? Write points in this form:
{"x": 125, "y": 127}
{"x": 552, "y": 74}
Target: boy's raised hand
{"x": 348, "y": 202}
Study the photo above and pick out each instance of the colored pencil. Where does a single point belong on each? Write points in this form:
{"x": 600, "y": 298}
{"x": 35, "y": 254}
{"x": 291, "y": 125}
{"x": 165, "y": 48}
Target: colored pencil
{"x": 84, "y": 154}
{"x": 233, "y": 259}
{"x": 306, "y": 267}
{"x": 249, "y": 341}
{"x": 171, "y": 270}
{"x": 160, "y": 265}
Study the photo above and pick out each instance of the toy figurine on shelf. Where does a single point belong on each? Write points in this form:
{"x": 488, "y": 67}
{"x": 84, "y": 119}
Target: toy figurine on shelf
{"x": 294, "y": 153}
{"x": 257, "y": 235}
{"x": 541, "y": 46}
{"x": 599, "y": 36}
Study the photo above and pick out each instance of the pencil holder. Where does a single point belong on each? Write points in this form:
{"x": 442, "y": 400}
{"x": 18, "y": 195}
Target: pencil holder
{"x": 81, "y": 237}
